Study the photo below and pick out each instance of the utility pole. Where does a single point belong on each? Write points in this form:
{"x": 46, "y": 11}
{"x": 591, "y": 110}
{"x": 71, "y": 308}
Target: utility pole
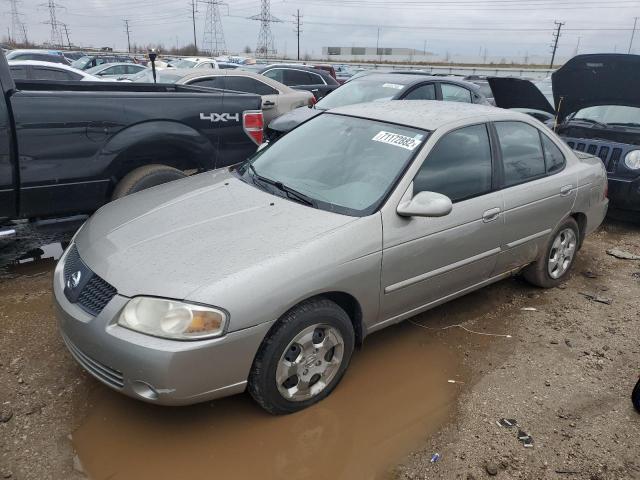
{"x": 378, "y": 47}
{"x": 297, "y": 30}
{"x": 556, "y": 37}
{"x": 265, "y": 37}
{"x": 633, "y": 33}
{"x": 577, "y": 47}
{"x": 66, "y": 32}
{"x": 128, "y": 32}
{"x": 193, "y": 18}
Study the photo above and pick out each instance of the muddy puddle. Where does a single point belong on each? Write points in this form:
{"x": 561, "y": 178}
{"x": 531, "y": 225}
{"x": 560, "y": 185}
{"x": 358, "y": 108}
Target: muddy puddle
{"x": 395, "y": 394}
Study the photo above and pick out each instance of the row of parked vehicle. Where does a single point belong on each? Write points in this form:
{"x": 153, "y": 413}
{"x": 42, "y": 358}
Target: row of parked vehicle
{"x": 374, "y": 204}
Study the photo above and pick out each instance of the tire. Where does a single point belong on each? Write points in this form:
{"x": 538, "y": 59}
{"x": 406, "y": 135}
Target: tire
{"x": 323, "y": 323}
{"x": 635, "y": 397}
{"x": 542, "y": 273}
{"x": 145, "y": 177}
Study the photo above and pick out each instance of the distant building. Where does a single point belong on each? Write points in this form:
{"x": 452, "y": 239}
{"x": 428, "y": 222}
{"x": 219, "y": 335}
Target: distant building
{"x": 361, "y": 54}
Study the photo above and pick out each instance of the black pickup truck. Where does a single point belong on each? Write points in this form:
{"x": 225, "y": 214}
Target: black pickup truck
{"x": 67, "y": 148}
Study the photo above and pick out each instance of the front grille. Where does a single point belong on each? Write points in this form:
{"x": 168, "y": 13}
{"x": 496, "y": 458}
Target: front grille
{"x": 108, "y": 375}
{"x": 95, "y": 292}
{"x": 609, "y": 155}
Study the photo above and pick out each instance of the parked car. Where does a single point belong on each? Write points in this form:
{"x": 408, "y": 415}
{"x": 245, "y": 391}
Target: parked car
{"x": 90, "y": 61}
{"x": 277, "y": 99}
{"x": 116, "y": 71}
{"x": 73, "y": 56}
{"x": 318, "y": 82}
{"x": 327, "y": 68}
{"x": 51, "y": 56}
{"x": 358, "y": 219}
{"x": 67, "y": 148}
{"x": 194, "y": 62}
{"x": 35, "y": 70}
{"x": 598, "y": 112}
{"x": 228, "y": 65}
{"x": 377, "y": 87}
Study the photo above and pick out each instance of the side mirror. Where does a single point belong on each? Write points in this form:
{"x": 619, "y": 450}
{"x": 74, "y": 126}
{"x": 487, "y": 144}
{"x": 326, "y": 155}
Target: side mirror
{"x": 426, "y": 204}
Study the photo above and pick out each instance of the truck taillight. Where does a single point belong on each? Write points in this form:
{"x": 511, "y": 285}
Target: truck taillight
{"x": 253, "y": 125}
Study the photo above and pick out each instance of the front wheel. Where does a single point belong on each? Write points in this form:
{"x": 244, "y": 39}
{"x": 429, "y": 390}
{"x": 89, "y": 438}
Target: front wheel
{"x": 303, "y": 358}
{"x": 553, "y": 265}
{"x": 146, "y": 177}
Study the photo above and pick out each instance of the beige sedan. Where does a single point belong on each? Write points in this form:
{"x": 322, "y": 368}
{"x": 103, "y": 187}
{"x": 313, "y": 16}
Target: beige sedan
{"x": 277, "y": 98}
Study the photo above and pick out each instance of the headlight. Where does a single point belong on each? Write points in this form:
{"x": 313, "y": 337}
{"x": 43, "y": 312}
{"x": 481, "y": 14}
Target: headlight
{"x": 632, "y": 160}
{"x": 172, "y": 319}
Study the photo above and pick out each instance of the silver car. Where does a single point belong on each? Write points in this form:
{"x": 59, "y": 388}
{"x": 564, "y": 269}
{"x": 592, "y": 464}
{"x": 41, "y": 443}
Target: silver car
{"x": 265, "y": 276}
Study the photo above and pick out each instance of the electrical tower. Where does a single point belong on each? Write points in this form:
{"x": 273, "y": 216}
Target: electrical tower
{"x": 17, "y": 26}
{"x": 265, "y": 37}
{"x": 213, "y": 40}
{"x": 556, "y": 37}
{"x": 56, "y": 31}
{"x": 297, "y": 30}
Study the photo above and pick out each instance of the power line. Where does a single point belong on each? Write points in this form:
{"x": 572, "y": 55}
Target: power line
{"x": 265, "y": 37}
{"x": 128, "y": 32}
{"x": 633, "y": 33}
{"x": 556, "y": 37}
{"x": 213, "y": 40}
{"x": 297, "y": 30}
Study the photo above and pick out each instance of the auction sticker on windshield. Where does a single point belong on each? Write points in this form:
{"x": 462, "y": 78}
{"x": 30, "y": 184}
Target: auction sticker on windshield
{"x": 402, "y": 141}
{"x": 393, "y": 85}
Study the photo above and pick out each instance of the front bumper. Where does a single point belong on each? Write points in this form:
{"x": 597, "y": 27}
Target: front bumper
{"x": 624, "y": 195}
{"x": 156, "y": 370}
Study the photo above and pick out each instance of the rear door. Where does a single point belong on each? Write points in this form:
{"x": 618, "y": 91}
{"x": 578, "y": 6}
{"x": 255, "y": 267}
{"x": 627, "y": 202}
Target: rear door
{"x": 538, "y": 192}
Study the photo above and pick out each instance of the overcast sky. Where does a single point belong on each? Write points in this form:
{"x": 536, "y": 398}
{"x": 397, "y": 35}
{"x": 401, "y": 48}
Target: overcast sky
{"x": 506, "y": 28}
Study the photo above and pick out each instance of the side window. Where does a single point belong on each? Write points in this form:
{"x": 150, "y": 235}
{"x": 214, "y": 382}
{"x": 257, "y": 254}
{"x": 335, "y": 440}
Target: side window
{"x": 212, "y": 82}
{"x": 455, "y": 93}
{"x": 423, "y": 92}
{"x": 522, "y": 156}
{"x": 19, "y": 72}
{"x": 316, "y": 79}
{"x": 117, "y": 70}
{"x": 249, "y": 85}
{"x": 297, "y": 77}
{"x": 275, "y": 74}
{"x": 459, "y": 166}
{"x": 553, "y": 156}
{"x": 40, "y": 73}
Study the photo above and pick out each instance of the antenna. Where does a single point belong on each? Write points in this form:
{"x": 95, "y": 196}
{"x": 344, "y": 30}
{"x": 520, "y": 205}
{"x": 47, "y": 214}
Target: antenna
{"x": 213, "y": 40}
{"x": 265, "y": 37}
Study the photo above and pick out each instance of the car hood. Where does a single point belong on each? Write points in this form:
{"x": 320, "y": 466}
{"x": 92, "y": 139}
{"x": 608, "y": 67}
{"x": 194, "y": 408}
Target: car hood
{"x": 172, "y": 239}
{"x": 518, "y": 93}
{"x": 598, "y": 79}
{"x": 292, "y": 119}
{"x": 584, "y": 81}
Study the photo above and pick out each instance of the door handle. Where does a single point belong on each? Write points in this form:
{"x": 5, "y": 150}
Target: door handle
{"x": 491, "y": 215}
{"x": 268, "y": 103}
{"x": 566, "y": 190}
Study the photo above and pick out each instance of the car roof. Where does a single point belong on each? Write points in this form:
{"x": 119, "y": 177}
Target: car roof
{"x": 40, "y": 63}
{"x": 114, "y": 64}
{"x": 428, "y": 114}
{"x": 200, "y": 73}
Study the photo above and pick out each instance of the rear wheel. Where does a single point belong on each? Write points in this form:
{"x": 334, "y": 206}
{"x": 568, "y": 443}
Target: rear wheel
{"x": 553, "y": 265}
{"x": 635, "y": 397}
{"x": 303, "y": 358}
{"x": 146, "y": 177}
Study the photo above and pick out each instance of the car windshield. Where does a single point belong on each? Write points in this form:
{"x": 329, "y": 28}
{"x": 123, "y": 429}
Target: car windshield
{"x": 162, "y": 76}
{"x": 183, "y": 63}
{"x": 352, "y": 174}
{"x": 610, "y": 115}
{"x": 360, "y": 91}
{"x": 81, "y": 62}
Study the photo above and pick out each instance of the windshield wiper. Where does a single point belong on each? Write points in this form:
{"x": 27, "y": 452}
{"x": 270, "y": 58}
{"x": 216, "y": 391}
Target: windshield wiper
{"x": 288, "y": 191}
{"x": 590, "y": 120}
{"x": 625, "y": 124}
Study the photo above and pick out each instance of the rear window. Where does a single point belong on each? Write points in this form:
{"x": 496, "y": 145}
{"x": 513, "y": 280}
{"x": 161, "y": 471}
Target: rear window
{"x": 360, "y": 91}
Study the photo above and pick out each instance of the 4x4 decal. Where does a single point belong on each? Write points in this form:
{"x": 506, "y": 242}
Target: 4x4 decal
{"x": 220, "y": 117}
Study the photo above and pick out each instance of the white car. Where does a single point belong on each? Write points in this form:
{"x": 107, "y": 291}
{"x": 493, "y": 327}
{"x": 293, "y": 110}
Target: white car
{"x": 36, "y": 70}
{"x": 116, "y": 71}
{"x": 194, "y": 62}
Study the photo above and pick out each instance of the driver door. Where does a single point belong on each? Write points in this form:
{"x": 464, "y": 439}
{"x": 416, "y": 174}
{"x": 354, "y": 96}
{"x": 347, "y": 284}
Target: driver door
{"x": 426, "y": 260}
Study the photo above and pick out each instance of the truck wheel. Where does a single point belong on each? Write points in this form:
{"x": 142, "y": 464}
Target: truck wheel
{"x": 303, "y": 358}
{"x": 145, "y": 177}
{"x": 554, "y": 263}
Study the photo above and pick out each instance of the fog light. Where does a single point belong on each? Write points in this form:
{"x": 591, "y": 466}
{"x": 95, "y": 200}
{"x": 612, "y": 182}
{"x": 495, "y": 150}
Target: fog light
{"x": 144, "y": 390}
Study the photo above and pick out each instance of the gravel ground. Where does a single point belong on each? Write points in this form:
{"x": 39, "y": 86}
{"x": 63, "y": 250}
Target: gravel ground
{"x": 566, "y": 378}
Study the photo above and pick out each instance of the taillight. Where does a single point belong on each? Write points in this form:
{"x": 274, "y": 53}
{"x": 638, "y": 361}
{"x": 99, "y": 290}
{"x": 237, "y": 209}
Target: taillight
{"x": 312, "y": 101}
{"x": 253, "y": 125}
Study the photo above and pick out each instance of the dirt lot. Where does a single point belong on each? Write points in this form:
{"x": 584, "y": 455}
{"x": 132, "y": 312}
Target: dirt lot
{"x": 565, "y": 375}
